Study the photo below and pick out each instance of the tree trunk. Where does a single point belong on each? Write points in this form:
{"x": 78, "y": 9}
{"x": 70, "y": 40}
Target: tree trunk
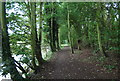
{"x": 33, "y": 33}
{"x": 6, "y": 52}
{"x": 69, "y": 31}
{"x": 34, "y": 38}
{"x": 29, "y": 16}
{"x": 53, "y": 32}
{"x": 99, "y": 42}
{"x": 50, "y": 24}
{"x": 53, "y": 29}
{"x": 40, "y": 32}
{"x": 98, "y": 32}
{"x": 0, "y": 33}
{"x": 57, "y": 38}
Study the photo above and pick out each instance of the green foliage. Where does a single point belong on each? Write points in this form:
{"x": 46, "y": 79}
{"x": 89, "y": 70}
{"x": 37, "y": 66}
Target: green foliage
{"x": 6, "y": 67}
{"x": 25, "y": 60}
{"x": 5, "y": 70}
{"x": 83, "y": 19}
{"x": 63, "y": 33}
{"x": 109, "y": 67}
{"x": 101, "y": 59}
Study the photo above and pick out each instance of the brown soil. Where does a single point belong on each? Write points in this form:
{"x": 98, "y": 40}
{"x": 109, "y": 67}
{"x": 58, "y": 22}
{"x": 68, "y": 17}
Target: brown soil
{"x": 65, "y": 65}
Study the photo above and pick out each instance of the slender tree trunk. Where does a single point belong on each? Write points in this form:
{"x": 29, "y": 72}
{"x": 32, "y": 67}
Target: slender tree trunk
{"x": 69, "y": 31}
{"x": 40, "y": 31}
{"x": 57, "y": 38}
{"x": 56, "y": 27}
{"x": 29, "y": 16}
{"x": 34, "y": 38}
{"x": 98, "y": 32}
{"x": 53, "y": 29}
{"x": 40, "y": 25}
{"x": 50, "y": 24}
{"x": 50, "y": 34}
{"x": 6, "y": 52}
{"x": 0, "y": 29}
{"x": 99, "y": 40}
{"x": 53, "y": 32}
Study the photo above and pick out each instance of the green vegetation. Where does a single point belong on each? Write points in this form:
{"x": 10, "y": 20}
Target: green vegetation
{"x": 38, "y": 29}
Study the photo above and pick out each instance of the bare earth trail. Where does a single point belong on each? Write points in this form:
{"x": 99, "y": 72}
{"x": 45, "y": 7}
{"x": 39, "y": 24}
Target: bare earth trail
{"x": 65, "y": 65}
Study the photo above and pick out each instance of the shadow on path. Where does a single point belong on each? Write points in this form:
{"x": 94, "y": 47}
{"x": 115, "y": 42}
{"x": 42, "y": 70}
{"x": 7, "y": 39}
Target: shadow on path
{"x": 65, "y": 65}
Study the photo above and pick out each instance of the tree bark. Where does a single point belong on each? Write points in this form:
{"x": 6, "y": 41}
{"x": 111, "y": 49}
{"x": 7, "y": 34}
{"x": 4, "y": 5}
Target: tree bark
{"x": 53, "y": 29}
{"x": 52, "y": 23}
{"x": 69, "y": 30}
{"x": 28, "y": 6}
{"x": 40, "y": 32}
{"x": 98, "y": 31}
{"x": 57, "y": 38}
{"x": 34, "y": 38}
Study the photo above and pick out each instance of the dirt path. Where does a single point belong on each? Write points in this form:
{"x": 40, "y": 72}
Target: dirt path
{"x": 65, "y": 65}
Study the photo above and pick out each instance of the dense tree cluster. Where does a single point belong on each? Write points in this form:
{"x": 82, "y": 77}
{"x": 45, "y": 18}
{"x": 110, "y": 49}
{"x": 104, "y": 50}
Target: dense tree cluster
{"x": 27, "y": 27}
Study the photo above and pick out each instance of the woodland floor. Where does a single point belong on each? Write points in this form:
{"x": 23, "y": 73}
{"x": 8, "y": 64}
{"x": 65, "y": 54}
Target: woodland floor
{"x": 81, "y": 65}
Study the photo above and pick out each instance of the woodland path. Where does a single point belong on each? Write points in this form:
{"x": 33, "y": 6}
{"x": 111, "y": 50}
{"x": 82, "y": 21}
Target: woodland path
{"x": 65, "y": 65}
